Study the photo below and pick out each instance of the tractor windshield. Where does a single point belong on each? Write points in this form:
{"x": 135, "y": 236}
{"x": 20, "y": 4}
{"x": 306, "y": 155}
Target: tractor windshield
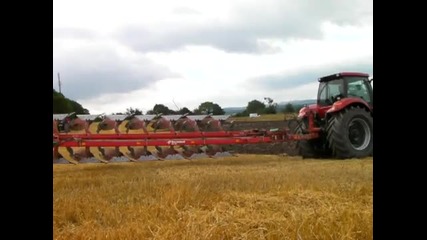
{"x": 359, "y": 87}
{"x": 330, "y": 91}
{"x": 334, "y": 90}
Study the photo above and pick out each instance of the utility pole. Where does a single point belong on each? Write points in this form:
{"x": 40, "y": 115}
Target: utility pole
{"x": 59, "y": 83}
{"x": 177, "y": 108}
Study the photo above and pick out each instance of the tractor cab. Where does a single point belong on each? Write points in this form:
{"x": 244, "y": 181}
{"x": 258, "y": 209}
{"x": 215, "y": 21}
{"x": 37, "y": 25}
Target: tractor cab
{"x": 335, "y": 87}
{"x": 343, "y": 117}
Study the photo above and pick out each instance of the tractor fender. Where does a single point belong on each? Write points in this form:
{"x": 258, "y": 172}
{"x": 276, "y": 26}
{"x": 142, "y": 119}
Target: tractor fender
{"x": 305, "y": 111}
{"x": 344, "y": 103}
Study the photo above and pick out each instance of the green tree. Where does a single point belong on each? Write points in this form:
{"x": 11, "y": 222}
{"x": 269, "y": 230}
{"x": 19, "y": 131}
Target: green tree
{"x": 77, "y": 108}
{"x": 255, "y": 106}
{"x": 160, "y": 108}
{"x": 184, "y": 110}
{"x": 61, "y": 104}
{"x": 289, "y": 108}
{"x": 271, "y": 106}
{"x": 210, "y": 107}
{"x": 136, "y": 111}
{"x": 242, "y": 114}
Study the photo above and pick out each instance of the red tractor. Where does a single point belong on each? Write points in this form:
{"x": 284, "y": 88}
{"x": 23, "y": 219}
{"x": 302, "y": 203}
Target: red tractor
{"x": 343, "y": 117}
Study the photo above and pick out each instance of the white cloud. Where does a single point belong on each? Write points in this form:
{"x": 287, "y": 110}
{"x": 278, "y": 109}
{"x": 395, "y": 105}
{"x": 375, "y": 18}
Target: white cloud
{"x": 114, "y": 55}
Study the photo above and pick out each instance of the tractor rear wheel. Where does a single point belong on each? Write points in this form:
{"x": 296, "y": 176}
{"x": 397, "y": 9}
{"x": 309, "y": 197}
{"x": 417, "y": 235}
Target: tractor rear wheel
{"x": 350, "y": 133}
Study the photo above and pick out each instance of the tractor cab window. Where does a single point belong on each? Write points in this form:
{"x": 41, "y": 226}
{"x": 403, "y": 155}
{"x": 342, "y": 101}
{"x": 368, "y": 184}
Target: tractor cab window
{"x": 331, "y": 91}
{"x": 359, "y": 87}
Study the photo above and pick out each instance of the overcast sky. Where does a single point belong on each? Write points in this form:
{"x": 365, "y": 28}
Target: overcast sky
{"x": 112, "y": 55}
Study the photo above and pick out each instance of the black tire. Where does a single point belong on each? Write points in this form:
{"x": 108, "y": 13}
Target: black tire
{"x": 314, "y": 148}
{"x": 306, "y": 149}
{"x": 350, "y": 133}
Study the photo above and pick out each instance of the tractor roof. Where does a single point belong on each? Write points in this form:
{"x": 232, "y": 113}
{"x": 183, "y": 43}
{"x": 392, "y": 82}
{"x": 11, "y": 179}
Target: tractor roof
{"x": 342, "y": 74}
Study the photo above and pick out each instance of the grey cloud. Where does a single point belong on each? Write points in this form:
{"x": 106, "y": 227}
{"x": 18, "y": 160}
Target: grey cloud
{"x": 231, "y": 38}
{"x": 249, "y": 23}
{"x": 306, "y": 76}
{"x": 90, "y": 72}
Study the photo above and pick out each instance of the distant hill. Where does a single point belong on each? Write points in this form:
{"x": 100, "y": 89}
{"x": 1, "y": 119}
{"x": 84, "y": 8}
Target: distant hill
{"x": 233, "y": 110}
{"x": 296, "y": 103}
{"x": 61, "y": 104}
{"x": 299, "y": 102}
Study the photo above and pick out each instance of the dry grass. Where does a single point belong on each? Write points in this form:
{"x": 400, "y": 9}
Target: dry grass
{"x": 245, "y": 197}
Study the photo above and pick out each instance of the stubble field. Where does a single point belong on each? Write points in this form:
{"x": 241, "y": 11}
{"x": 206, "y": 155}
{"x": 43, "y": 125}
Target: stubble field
{"x": 243, "y": 197}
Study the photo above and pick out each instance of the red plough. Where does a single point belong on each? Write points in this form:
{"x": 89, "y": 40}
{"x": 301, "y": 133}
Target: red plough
{"x": 113, "y": 138}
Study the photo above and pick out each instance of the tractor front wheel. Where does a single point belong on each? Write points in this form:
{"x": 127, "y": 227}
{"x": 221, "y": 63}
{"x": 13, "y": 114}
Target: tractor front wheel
{"x": 350, "y": 133}
{"x": 313, "y": 148}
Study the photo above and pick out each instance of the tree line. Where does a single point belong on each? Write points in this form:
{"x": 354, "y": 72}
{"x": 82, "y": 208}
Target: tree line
{"x": 204, "y": 108}
{"x": 61, "y": 104}
{"x": 267, "y": 107}
{"x": 254, "y": 106}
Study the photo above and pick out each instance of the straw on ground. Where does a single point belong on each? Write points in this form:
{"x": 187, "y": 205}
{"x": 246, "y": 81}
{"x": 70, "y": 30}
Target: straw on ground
{"x": 245, "y": 197}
